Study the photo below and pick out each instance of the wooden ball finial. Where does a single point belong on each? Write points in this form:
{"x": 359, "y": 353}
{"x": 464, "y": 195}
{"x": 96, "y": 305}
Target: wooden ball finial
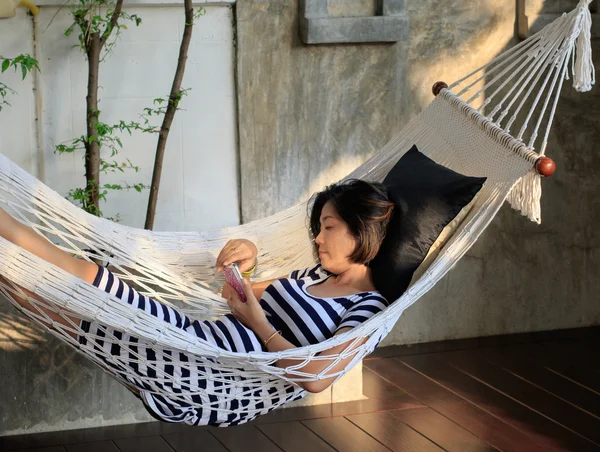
{"x": 438, "y": 86}
{"x": 545, "y": 166}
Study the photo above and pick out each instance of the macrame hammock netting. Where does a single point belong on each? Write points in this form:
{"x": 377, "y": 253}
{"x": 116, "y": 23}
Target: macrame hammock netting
{"x": 521, "y": 88}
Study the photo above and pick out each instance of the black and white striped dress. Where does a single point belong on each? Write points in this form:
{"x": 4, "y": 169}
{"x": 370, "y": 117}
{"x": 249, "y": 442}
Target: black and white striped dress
{"x": 302, "y": 318}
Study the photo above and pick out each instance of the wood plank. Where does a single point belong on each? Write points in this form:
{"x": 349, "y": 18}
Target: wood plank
{"x": 97, "y": 446}
{"x": 47, "y": 449}
{"x": 244, "y": 438}
{"x": 563, "y": 414}
{"x": 382, "y": 396}
{"x": 294, "y": 437}
{"x": 377, "y": 388}
{"x": 523, "y": 361}
{"x": 508, "y": 409}
{"x": 393, "y": 434}
{"x": 585, "y": 351}
{"x": 583, "y": 334}
{"x": 143, "y": 444}
{"x": 89, "y": 435}
{"x": 591, "y": 346}
{"x": 566, "y": 360}
{"x": 193, "y": 441}
{"x": 343, "y": 435}
{"x": 442, "y": 431}
{"x": 472, "y": 418}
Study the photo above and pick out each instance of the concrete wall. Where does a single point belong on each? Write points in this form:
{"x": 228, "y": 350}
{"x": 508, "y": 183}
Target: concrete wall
{"x": 310, "y": 114}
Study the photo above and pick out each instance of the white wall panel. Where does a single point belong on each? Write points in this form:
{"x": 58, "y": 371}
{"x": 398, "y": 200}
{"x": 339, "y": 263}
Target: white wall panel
{"x": 199, "y": 188}
{"x": 17, "y": 122}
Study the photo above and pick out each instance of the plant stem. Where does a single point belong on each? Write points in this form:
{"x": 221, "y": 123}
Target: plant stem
{"x": 174, "y": 99}
{"x": 113, "y": 21}
{"x": 94, "y": 42}
{"x": 92, "y": 145}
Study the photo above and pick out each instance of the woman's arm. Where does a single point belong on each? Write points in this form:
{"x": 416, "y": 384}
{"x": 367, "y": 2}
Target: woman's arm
{"x": 258, "y": 288}
{"x": 252, "y": 315}
{"x": 279, "y": 343}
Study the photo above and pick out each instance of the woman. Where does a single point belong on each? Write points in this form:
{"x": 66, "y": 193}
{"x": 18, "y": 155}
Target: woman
{"x": 348, "y": 222}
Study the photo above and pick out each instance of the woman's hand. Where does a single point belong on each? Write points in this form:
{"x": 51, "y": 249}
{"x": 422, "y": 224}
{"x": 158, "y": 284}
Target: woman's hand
{"x": 227, "y": 290}
{"x": 250, "y": 313}
{"x": 242, "y": 251}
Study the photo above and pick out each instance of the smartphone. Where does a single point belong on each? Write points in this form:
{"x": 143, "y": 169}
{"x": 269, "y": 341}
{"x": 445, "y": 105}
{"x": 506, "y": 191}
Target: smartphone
{"x": 234, "y": 277}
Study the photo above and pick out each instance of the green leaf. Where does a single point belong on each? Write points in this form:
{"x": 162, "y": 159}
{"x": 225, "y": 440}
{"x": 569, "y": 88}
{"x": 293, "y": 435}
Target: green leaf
{"x": 5, "y": 65}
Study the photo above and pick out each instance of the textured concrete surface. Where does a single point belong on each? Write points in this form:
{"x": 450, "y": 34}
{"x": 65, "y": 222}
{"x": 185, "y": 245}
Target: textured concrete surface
{"x": 310, "y": 114}
{"x": 354, "y": 29}
{"x": 539, "y": 13}
{"x": 349, "y": 8}
{"x": 326, "y": 22}
{"x": 46, "y": 385}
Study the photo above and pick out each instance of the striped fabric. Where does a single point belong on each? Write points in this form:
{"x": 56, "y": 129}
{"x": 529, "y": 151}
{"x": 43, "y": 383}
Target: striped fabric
{"x": 302, "y": 318}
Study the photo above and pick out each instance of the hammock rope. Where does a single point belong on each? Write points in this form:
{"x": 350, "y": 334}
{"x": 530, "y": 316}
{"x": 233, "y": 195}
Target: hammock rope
{"x": 177, "y": 269}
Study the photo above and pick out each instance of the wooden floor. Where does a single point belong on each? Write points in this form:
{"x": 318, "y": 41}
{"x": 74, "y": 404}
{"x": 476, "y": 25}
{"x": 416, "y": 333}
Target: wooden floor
{"x": 530, "y": 392}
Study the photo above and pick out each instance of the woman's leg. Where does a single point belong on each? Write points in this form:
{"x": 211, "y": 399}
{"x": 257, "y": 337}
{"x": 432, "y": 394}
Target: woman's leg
{"x": 65, "y": 320}
{"x": 28, "y": 239}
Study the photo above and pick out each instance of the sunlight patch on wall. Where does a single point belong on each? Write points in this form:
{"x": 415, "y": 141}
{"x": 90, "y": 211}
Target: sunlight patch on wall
{"x": 333, "y": 173}
{"x": 494, "y": 36}
{"x": 18, "y": 334}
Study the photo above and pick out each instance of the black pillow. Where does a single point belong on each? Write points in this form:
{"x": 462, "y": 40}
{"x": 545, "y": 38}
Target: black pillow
{"x": 427, "y": 196}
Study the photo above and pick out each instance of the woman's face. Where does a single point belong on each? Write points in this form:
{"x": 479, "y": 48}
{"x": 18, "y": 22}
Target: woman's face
{"x": 335, "y": 243}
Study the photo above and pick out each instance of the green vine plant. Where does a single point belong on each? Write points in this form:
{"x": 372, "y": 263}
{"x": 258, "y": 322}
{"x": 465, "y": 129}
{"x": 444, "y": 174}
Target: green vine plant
{"x": 99, "y": 25}
{"x": 25, "y": 63}
{"x": 88, "y": 16}
{"x": 108, "y": 137}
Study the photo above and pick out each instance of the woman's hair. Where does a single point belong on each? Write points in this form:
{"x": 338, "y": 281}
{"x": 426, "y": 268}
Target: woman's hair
{"x": 364, "y": 206}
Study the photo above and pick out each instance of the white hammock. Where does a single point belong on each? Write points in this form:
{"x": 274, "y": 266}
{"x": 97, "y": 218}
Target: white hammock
{"x": 522, "y": 87}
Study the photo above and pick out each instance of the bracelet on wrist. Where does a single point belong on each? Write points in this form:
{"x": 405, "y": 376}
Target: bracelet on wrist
{"x": 271, "y": 337}
{"x": 250, "y": 271}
